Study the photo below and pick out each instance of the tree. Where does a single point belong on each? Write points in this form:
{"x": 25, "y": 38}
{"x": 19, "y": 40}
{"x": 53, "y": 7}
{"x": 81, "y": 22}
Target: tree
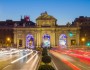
{"x": 46, "y": 59}
{"x": 44, "y": 52}
{"x": 46, "y": 67}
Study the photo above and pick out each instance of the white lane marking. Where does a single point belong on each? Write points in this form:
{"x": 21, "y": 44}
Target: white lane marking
{"x": 8, "y": 55}
{"x": 10, "y": 52}
{"x": 82, "y": 66}
{"x": 6, "y": 67}
{"x": 14, "y": 52}
{"x": 22, "y": 57}
{"x": 34, "y": 62}
{"x": 31, "y": 57}
{"x": 54, "y": 65}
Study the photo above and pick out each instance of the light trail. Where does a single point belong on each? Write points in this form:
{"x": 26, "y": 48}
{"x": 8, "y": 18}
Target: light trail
{"x": 34, "y": 63}
{"x": 65, "y": 61}
{"x": 32, "y": 57}
{"x": 54, "y": 65}
{"x": 22, "y": 57}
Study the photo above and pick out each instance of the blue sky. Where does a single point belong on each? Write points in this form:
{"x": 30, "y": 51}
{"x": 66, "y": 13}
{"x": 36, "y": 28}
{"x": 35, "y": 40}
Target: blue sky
{"x": 63, "y": 10}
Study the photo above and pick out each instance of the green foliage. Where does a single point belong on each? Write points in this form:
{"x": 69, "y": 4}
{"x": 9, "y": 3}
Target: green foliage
{"x": 44, "y": 50}
{"x": 46, "y": 67}
{"x": 46, "y": 59}
{"x": 44, "y": 53}
{"x": 39, "y": 49}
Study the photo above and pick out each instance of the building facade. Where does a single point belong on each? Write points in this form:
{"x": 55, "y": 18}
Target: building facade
{"x": 45, "y": 33}
{"x": 84, "y": 24}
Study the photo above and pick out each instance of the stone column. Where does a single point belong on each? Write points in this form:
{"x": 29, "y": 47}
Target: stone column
{"x": 24, "y": 40}
{"x": 37, "y": 40}
{"x": 52, "y": 38}
{"x": 57, "y": 39}
{"x": 77, "y": 37}
{"x": 15, "y": 38}
{"x": 17, "y": 42}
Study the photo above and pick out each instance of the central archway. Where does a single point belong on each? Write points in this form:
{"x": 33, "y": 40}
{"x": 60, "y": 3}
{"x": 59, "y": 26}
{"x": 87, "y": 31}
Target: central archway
{"x": 63, "y": 41}
{"x": 30, "y": 41}
{"x": 46, "y": 41}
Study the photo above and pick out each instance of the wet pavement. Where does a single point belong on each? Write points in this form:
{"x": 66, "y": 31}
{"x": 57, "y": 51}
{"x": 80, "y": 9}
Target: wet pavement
{"x": 18, "y": 61}
{"x": 65, "y": 62}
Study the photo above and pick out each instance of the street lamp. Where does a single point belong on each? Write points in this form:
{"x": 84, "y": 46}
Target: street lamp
{"x": 83, "y": 40}
{"x": 8, "y": 40}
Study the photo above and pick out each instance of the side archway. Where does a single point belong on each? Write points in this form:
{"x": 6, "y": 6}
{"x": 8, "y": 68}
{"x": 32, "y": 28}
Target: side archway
{"x": 30, "y": 41}
{"x": 46, "y": 40}
{"x": 63, "y": 41}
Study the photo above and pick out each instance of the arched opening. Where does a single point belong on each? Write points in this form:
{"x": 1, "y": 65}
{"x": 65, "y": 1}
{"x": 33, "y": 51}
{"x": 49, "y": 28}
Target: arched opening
{"x": 30, "y": 41}
{"x": 46, "y": 41}
{"x": 63, "y": 41}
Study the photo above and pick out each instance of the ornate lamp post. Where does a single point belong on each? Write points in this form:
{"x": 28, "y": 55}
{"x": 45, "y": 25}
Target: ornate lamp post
{"x": 9, "y": 41}
{"x": 83, "y": 40}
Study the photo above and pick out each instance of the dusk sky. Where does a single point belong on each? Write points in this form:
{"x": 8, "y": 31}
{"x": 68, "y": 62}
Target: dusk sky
{"x": 63, "y": 10}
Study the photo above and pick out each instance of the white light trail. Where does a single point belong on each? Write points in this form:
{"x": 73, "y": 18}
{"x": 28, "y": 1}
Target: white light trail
{"x": 22, "y": 57}
{"x": 34, "y": 63}
{"x": 32, "y": 57}
{"x": 54, "y": 65}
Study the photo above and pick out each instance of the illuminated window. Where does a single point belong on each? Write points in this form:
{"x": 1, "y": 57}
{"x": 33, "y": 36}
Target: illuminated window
{"x": 46, "y": 40}
{"x": 30, "y": 41}
{"x": 62, "y": 40}
{"x": 20, "y": 43}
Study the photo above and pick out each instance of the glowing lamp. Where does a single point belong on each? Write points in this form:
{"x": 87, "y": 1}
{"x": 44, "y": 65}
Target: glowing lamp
{"x": 88, "y": 43}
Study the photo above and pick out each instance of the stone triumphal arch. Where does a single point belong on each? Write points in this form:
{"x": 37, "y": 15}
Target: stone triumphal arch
{"x": 46, "y": 33}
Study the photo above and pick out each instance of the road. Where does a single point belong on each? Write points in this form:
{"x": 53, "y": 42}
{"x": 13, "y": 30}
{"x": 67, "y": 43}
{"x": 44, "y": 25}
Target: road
{"x": 59, "y": 64}
{"x": 21, "y": 60}
{"x": 65, "y": 62}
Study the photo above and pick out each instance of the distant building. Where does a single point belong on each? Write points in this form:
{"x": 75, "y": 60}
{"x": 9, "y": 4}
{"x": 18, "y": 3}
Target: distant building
{"x": 84, "y": 24}
{"x": 44, "y": 33}
{"x": 7, "y": 30}
{"x": 82, "y": 21}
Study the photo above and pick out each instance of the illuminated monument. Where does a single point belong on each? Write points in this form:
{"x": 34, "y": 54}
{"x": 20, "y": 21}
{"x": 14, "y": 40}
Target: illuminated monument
{"x": 46, "y": 33}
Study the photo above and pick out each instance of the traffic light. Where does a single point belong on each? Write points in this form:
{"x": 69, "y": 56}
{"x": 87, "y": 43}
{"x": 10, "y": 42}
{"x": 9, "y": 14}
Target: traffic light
{"x": 70, "y": 34}
{"x": 88, "y": 43}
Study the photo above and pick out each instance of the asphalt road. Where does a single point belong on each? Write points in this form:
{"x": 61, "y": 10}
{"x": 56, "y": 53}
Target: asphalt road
{"x": 59, "y": 64}
{"x": 71, "y": 62}
{"x": 19, "y": 62}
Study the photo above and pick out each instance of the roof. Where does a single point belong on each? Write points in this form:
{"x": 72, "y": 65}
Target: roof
{"x": 10, "y": 23}
{"x": 45, "y": 16}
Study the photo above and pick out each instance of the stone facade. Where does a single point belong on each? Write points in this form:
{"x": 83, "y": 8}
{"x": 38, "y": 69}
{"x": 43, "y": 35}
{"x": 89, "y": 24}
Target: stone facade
{"x": 84, "y": 24}
{"x": 46, "y": 24}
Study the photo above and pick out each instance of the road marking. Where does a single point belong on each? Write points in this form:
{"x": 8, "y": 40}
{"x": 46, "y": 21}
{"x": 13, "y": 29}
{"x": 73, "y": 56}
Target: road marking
{"x": 54, "y": 65}
{"x": 6, "y": 67}
{"x": 37, "y": 63}
{"x": 31, "y": 57}
{"x": 22, "y": 57}
{"x": 83, "y": 67}
{"x": 34, "y": 63}
{"x": 65, "y": 61}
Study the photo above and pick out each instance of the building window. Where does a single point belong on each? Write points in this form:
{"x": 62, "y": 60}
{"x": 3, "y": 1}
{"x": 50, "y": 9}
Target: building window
{"x": 20, "y": 43}
{"x": 73, "y": 42}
